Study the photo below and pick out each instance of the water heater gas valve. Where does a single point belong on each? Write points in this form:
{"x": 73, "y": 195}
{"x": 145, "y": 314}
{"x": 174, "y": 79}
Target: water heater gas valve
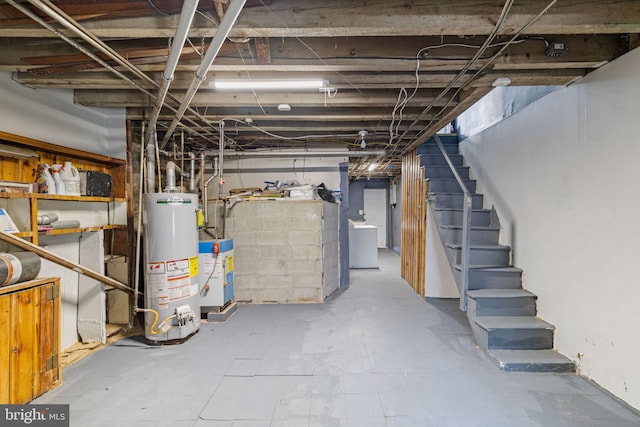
{"x": 184, "y": 313}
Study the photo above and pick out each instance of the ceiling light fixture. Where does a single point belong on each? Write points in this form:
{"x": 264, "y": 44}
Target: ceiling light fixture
{"x": 284, "y": 107}
{"x": 372, "y": 167}
{"x": 268, "y": 84}
{"x": 362, "y": 134}
{"x": 501, "y": 82}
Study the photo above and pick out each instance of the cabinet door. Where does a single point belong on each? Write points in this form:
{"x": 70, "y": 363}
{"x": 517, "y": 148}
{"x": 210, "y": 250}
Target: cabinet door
{"x": 48, "y": 370}
{"x": 22, "y": 345}
{"x": 5, "y": 347}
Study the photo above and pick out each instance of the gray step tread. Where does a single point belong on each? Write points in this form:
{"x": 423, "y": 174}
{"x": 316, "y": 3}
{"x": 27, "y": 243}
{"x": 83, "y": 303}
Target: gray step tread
{"x": 450, "y": 179}
{"x": 448, "y": 193}
{"x": 445, "y": 166}
{"x": 491, "y": 268}
{"x": 500, "y": 293}
{"x": 532, "y": 360}
{"x": 493, "y": 247}
{"x": 473, "y": 227}
{"x": 462, "y": 210}
{"x": 489, "y": 323}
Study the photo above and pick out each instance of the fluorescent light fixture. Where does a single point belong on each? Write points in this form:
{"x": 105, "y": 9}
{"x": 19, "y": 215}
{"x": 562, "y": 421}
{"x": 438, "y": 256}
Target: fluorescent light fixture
{"x": 501, "y": 81}
{"x": 372, "y": 167}
{"x": 268, "y": 84}
{"x": 284, "y": 107}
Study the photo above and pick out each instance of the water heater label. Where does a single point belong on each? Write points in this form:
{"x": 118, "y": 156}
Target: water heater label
{"x": 179, "y": 278}
{"x": 193, "y": 266}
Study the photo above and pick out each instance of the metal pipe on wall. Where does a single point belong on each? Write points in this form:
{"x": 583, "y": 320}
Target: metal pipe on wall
{"x": 282, "y": 154}
{"x": 201, "y": 73}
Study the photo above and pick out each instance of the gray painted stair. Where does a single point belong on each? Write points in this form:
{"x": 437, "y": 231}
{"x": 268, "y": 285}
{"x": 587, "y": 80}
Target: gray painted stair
{"x": 531, "y": 361}
{"x": 512, "y": 333}
{"x": 486, "y": 277}
{"x": 435, "y": 172}
{"x": 445, "y": 185}
{"x": 479, "y": 217}
{"x": 437, "y": 159}
{"x": 480, "y": 235}
{"x": 494, "y": 255}
{"x": 502, "y": 314}
{"x": 501, "y": 302}
{"x": 454, "y": 200}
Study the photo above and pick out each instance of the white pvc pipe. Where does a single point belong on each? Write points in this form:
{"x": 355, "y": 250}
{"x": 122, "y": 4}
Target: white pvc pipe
{"x": 216, "y": 43}
{"x": 184, "y": 24}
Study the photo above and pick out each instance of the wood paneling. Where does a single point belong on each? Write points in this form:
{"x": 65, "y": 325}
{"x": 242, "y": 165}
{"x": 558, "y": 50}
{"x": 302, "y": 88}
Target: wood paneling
{"x": 5, "y": 332}
{"x": 414, "y": 222}
{"x": 29, "y": 340}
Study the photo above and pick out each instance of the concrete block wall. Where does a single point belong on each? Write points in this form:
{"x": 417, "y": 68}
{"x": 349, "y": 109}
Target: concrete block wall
{"x": 330, "y": 249}
{"x": 278, "y": 249}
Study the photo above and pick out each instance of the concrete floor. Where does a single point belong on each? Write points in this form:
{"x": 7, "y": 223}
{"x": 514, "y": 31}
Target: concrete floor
{"x": 373, "y": 355}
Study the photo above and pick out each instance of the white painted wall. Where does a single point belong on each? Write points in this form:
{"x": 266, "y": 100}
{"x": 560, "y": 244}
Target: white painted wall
{"x": 438, "y": 276}
{"x": 51, "y": 116}
{"x": 563, "y": 175}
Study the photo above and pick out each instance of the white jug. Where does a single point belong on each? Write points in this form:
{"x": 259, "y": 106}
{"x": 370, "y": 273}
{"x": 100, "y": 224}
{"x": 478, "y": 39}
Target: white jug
{"x": 71, "y": 178}
{"x": 58, "y": 180}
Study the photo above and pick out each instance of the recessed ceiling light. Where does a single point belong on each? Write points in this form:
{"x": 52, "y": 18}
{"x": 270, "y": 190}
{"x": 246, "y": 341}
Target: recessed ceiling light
{"x": 284, "y": 107}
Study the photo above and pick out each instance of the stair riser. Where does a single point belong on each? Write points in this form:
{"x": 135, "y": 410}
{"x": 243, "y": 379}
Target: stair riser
{"x": 518, "y": 306}
{"x": 438, "y": 159}
{"x": 479, "y": 218}
{"x": 455, "y": 201}
{"x": 450, "y": 186}
{"x": 556, "y": 368}
{"x": 513, "y": 339}
{"x": 433, "y": 149}
{"x": 479, "y": 237}
{"x": 480, "y": 256}
{"x": 491, "y": 280}
{"x": 445, "y": 172}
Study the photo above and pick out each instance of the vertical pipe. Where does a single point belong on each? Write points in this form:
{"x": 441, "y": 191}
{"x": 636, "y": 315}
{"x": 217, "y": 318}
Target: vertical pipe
{"x": 221, "y": 159}
{"x": 466, "y": 249}
{"x": 136, "y": 279}
{"x": 192, "y": 173}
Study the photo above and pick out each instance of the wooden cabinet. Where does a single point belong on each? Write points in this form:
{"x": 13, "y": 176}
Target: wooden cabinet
{"x": 29, "y": 339}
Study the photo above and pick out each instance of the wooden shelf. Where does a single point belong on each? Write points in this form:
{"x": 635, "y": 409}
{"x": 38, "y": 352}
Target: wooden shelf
{"x": 59, "y": 231}
{"x": 61, "y": 197}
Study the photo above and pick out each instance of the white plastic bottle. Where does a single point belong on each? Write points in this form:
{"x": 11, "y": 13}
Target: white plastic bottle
{"x": 58, "y": 180}
{"x": 46, "y": 183}
{"x": 71, "y": 178}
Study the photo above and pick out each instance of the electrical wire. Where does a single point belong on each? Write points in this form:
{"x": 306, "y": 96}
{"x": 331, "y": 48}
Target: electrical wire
{"x": 491, "y": 60}
{"x": 503, "y": 16}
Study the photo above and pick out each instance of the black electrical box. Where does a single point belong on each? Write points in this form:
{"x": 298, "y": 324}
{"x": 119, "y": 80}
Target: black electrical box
{"x": 97, "y": 184}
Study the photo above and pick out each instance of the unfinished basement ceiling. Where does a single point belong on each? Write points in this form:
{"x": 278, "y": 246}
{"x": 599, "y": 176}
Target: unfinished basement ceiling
{"x": 401, "y": 70}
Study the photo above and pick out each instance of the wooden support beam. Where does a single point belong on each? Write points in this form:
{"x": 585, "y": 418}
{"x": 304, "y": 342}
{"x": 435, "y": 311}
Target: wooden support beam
{"x": 361, "y": 18}
{"x": 119, "y": 98}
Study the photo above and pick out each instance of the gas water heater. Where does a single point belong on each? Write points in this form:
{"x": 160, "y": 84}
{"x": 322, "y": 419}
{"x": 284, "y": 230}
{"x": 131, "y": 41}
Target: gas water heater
{"x": 170, "y": 265}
